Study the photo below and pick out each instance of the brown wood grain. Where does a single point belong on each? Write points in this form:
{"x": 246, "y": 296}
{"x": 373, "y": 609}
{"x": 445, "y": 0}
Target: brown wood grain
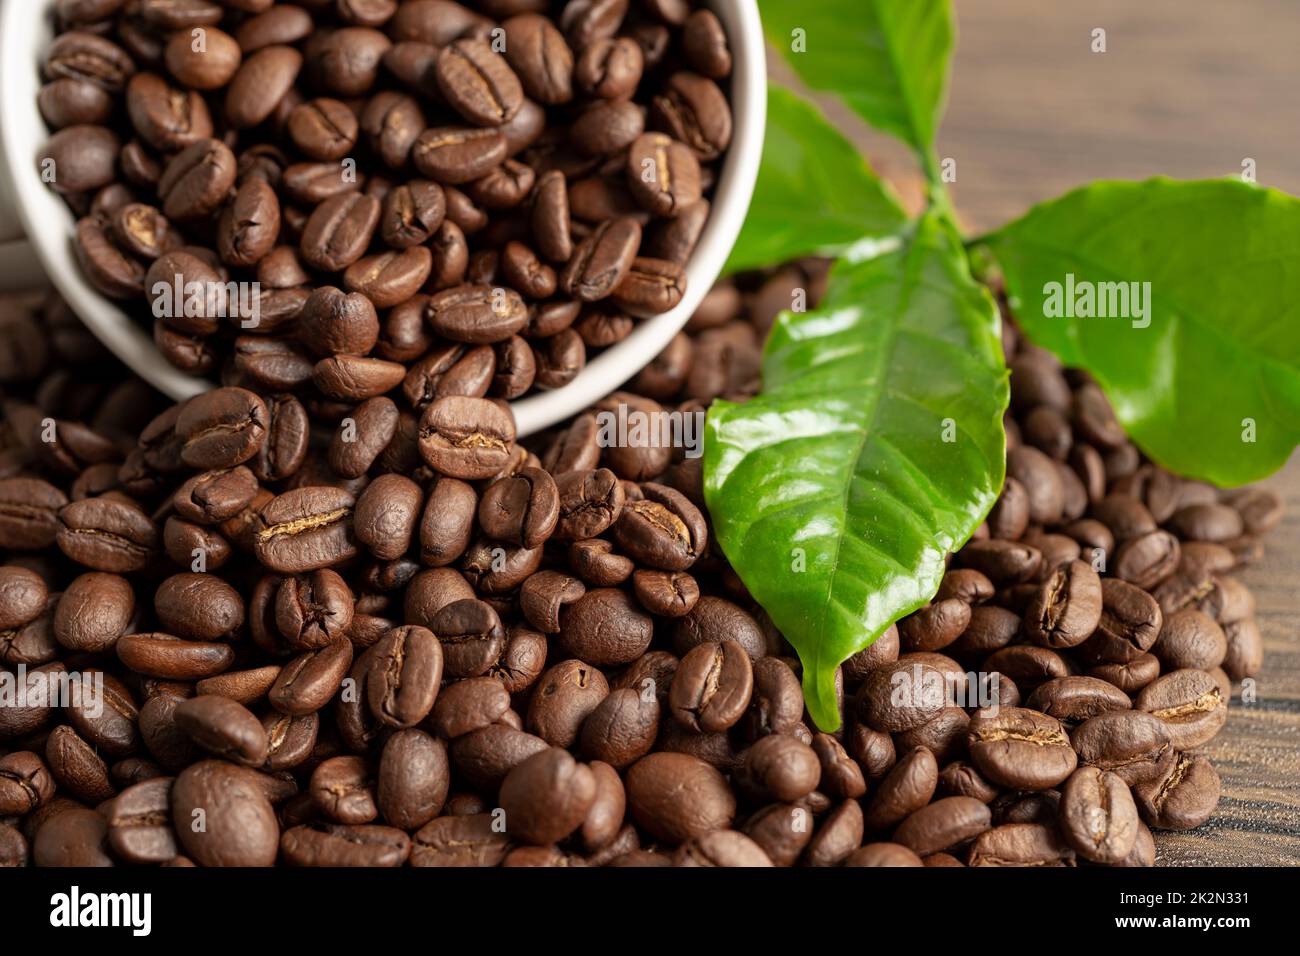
{"x": 1187, "y": 89}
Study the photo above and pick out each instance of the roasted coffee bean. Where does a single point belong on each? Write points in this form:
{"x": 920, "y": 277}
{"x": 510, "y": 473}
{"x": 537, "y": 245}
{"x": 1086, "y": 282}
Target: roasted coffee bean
{"x": 240, "y": 825}
{"x": 289, "y": 740}
{"x": 23, "y": 596}
{"x": 448, "y": 521}
{"x": 478, "y": 83}
{"x": 197, "y": 180}
{"x": 414, "y": 777}
{"x": 665, "y": 593}
{"x": 25, "y": 783}
{"x": 1130, "y": 623}
{"x": 609, "y": 68}
{"x": 1207, "y": 522}
{"x": 935, "y": 626}
{"x": 547, "y": 797}
{"x": 522, "y": 508}
{"x": 1135, "y": 745}
{"x": 1002, "y": 562}
{"x": 602, "y": 260}
{"x": 882, "y": 854}
{"x": 663, "y": 530}
{"x": 590, "y": 503}
{"x": 565, "y": 696}
{"x": 83, "y": 158}
{"x": 467, "y": 438}
{"x": 1021, "y": 844}
{"x": 321, "y": 844}
{"x": 1189, "y": 702}
{"x": 676, "y": 797}
{"x": 1020, "y": 748}
{"x": 901, "y": 696}
{"x": 1129, "y": 677}
{"x": 223, "y": 727}
{"x": 167, "y": 118}
{"x": 412, "y": 213}
{"x": 75, "y": 837}
{"x": 1181, "y": 798}
{"x": 536, "y": 50}
{"x": 476, "y": 314}
{"x": 1261, "y": 510}
{"x": 140, "y": 825}
{"x": 1190, "y": 639}
{"x": 307, "y": 683}
{"x": 339, "y": 231}
{"x": 344, "y": 790}
{"x": 390, "y": 278}
{"x": 711, "y": 689}
{"x": 351, "y": 378}
{"x": 1147, "y": 559}
{"x": 1245, "y": 653}
{"x": 403, "y": 676}
{"x": 1073, "y": 700}
{"x": 222, "y": 428}
{"x": 312, "y": 610}
{"x": 386, "y": 515}
{"x": 306, "y": 529}
{"x": 471, "y": 634}
{"x": 605, "y": 627}
{"x": 943, "y": 824}
{"x": 706, "y": 45}
{"x": 717, "y": 619}
{"x": 200, "y": 607}
{"x": 543, "y": 595}
{"x": 29, "y": 513}
{"x": 263, "y": 80}
{"x": 471, "y": 840}
{"x": 622, "y": 727}
{"x": 1067, "y": 608}
{"x": 1098, "y": 816}
{"x": 323, "y": 129}
{"x": 960, "y": 779}
{"x": 663, "y": 174}
{"x": 778, "y": 767}
{"x": 215, "y": 496}
{"x": 107, "y": 534}
{"x": 484, "y": 757}
{"x": 93, "y": 612}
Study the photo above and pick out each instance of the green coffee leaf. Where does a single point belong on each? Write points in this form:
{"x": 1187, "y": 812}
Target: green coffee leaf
{"x": 875, "y": 448}
{"x": 815, "y": 194}
{"x": 888, "y": 59}
{"x": 1183, "y": 300}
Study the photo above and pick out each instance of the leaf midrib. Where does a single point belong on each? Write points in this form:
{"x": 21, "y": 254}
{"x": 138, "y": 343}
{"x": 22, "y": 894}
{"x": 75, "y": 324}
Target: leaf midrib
{"x": 908, "y": 95}
{"x": 905, "y": 289}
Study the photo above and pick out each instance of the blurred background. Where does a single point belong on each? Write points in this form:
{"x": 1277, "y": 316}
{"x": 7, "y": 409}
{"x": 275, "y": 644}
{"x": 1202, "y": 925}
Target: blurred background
{"x": 1187, "y": 89}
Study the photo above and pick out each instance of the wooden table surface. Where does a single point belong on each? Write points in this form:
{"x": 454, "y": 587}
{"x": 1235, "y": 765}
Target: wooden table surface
{"x": 1188, "y": 89}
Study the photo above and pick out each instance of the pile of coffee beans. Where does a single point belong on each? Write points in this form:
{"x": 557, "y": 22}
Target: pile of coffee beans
{"x": 349, "y": 198}
{"x": 442, "y": 647}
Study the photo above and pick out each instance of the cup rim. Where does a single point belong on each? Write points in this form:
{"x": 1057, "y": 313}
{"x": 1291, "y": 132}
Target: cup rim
{"x": 25, "y": 33}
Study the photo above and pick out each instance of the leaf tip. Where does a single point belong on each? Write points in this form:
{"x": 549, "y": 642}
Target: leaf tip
{"x": 820, "y": 697}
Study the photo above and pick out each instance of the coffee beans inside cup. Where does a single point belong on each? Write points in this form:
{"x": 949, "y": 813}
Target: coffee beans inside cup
{"x": 346, "y": 200}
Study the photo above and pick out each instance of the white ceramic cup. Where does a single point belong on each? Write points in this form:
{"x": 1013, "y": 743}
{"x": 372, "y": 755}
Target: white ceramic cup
{"x": 28, "y": 207}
